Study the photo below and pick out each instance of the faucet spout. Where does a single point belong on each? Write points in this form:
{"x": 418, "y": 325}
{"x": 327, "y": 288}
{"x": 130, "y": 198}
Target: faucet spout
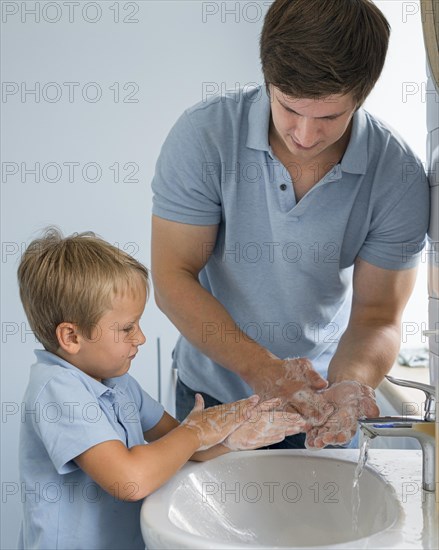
{"x": 393, "y": 426}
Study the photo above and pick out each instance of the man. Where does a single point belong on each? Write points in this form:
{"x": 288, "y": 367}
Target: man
{"x": 287, "y": 222}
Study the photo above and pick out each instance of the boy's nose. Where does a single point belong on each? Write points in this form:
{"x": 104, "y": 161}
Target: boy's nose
{"x": 141, "y": 337}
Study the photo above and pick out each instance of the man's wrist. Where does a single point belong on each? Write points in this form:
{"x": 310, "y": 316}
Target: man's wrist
{"x": 360, "y": 375}
{"x": 265, "y": 369}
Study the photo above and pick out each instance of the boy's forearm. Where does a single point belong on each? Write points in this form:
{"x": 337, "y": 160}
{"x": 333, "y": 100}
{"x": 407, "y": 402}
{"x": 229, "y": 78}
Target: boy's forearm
{"x": 158, "y": 461}
{"x": 167, "y": 455}
{"x": 208, "y": 454}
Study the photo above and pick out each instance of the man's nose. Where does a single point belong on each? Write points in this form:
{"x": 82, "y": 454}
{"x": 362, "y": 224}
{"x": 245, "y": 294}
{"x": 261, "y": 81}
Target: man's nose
{"x": 306, "y": 131}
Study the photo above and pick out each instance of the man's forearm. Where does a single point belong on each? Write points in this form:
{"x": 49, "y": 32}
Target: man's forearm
{"x": 366, "y": 353}
{"x": 206, "y": 324}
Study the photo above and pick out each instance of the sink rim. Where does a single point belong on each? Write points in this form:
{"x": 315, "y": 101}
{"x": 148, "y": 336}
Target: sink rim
{"x": 155, "y": 508}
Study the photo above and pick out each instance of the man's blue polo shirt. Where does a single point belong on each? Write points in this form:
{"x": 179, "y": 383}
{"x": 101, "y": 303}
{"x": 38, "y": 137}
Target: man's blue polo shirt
{"x": 64, "y": 413}
{"x": 283, "y": 269}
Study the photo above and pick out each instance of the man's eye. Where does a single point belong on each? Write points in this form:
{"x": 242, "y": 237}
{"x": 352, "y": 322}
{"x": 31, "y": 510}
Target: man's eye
{"x": 128, "y": 329}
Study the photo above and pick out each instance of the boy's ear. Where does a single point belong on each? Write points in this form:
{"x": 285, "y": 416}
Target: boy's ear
{"x": 69, "y": 338}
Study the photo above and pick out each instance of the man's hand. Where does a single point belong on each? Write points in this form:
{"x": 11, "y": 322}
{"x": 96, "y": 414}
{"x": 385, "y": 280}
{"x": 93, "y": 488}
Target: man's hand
{"x": 265, "y": 426}
{"x": 351, "y": 401}
{"x": 295, "y": 383}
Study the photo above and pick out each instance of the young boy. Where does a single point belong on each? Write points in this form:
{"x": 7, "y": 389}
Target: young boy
{"x": 83, "y": 459}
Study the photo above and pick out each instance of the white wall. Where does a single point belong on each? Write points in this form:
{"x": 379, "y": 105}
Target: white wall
{"x": 400, "y": 99}
{"x": 161, "y": 56}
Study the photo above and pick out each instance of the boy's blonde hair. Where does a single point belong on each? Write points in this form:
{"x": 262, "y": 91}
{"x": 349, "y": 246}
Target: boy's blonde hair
{"x": 73, "y": 279}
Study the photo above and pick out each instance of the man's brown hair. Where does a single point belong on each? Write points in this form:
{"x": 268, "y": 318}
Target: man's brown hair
{"x": 317, "y": 48}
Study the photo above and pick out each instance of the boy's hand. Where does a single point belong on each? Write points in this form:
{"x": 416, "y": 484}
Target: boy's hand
{"x": 214, "y": 424}
{"x": 265, "y": 427}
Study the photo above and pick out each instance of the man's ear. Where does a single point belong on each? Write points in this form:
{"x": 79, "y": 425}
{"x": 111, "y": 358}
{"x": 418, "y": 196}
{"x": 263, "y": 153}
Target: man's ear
{"x": 69, "y": 338}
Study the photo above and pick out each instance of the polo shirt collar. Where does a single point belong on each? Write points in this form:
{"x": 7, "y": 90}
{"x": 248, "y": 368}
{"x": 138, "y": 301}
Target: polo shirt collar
{"x": 355, "y": 158}
{"x": 259, "y": 122}
{"x": 98, "y": 388}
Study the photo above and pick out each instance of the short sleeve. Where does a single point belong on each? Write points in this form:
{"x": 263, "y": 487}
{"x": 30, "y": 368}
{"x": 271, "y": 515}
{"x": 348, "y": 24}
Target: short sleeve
{"x": 185, "y": 187}
{"x": 150, "y": 410}
{"x": 399, "y": 225}
{"x": 69, "y": 421}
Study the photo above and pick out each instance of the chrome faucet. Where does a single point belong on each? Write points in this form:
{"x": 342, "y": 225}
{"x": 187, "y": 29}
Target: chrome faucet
{"x": 405, "y": 426}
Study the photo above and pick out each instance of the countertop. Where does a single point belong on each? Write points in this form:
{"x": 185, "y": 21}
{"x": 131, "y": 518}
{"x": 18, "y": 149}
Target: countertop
{"x": 418, "y": 523}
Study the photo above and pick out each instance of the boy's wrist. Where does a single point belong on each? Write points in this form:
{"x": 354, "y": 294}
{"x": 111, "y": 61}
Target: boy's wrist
{"x": 192, "y": 434}
{"x": 213, "y": 452}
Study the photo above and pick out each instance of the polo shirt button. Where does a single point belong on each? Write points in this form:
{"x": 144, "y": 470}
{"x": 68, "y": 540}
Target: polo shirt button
{"x": 283, "y": 187}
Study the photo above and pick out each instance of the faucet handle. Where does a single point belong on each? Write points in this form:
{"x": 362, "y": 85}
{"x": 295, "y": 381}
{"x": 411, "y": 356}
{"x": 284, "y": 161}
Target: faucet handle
{"x": 430, "y": 395}
{"x": 429, "y": 390}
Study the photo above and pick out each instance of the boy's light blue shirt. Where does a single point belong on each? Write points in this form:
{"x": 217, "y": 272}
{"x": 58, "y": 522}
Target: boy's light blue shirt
{"x": 283, "y": 269}
{"x": 64, "y": 413}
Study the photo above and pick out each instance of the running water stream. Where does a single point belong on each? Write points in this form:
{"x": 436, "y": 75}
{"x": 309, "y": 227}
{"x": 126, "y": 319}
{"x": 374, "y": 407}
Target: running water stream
{"x": 362, "y": 459}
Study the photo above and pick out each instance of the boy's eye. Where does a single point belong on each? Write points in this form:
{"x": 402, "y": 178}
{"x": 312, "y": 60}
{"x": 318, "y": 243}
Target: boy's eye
{"x": 128, "y": 329}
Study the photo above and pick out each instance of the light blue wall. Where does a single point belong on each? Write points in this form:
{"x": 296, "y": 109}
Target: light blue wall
{"x": 177, "y": 53}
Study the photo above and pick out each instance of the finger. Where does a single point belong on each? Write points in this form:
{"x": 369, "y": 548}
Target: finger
{"x": 310, "y": 444}
{"x": 290, "y": 412}
{"x": 313, "y": 406}
{"x": 289, "y": 408}
{"x": 252, "y": 400}
{"x": 320, "y": 435}
{"x": 240, "y": 410}
{"x": 310, "y": 436}
{"x": 248, "y": 405}
{"x": 270, "y": 404}
{"x": 370, "y": 408}
{"x": 368, "y": 391}
{"x": 307, "y": 373}
{"x": 319, "y": 443}
{"x": 293, "y": 424}
{"x": 199, "y": 403}
{"x": 337, "y": 438}
{"x": 296, "y": 422}
{"x": 276, "y": 438}
{"x": 316, "y": 381}
{"x": 294, "y": 429}
{"x": 291, "y": 418}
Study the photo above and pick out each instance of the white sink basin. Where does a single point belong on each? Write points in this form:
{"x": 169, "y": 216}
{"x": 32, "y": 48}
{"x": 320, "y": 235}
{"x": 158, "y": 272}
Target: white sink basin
{"x": 269, "y": 499}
